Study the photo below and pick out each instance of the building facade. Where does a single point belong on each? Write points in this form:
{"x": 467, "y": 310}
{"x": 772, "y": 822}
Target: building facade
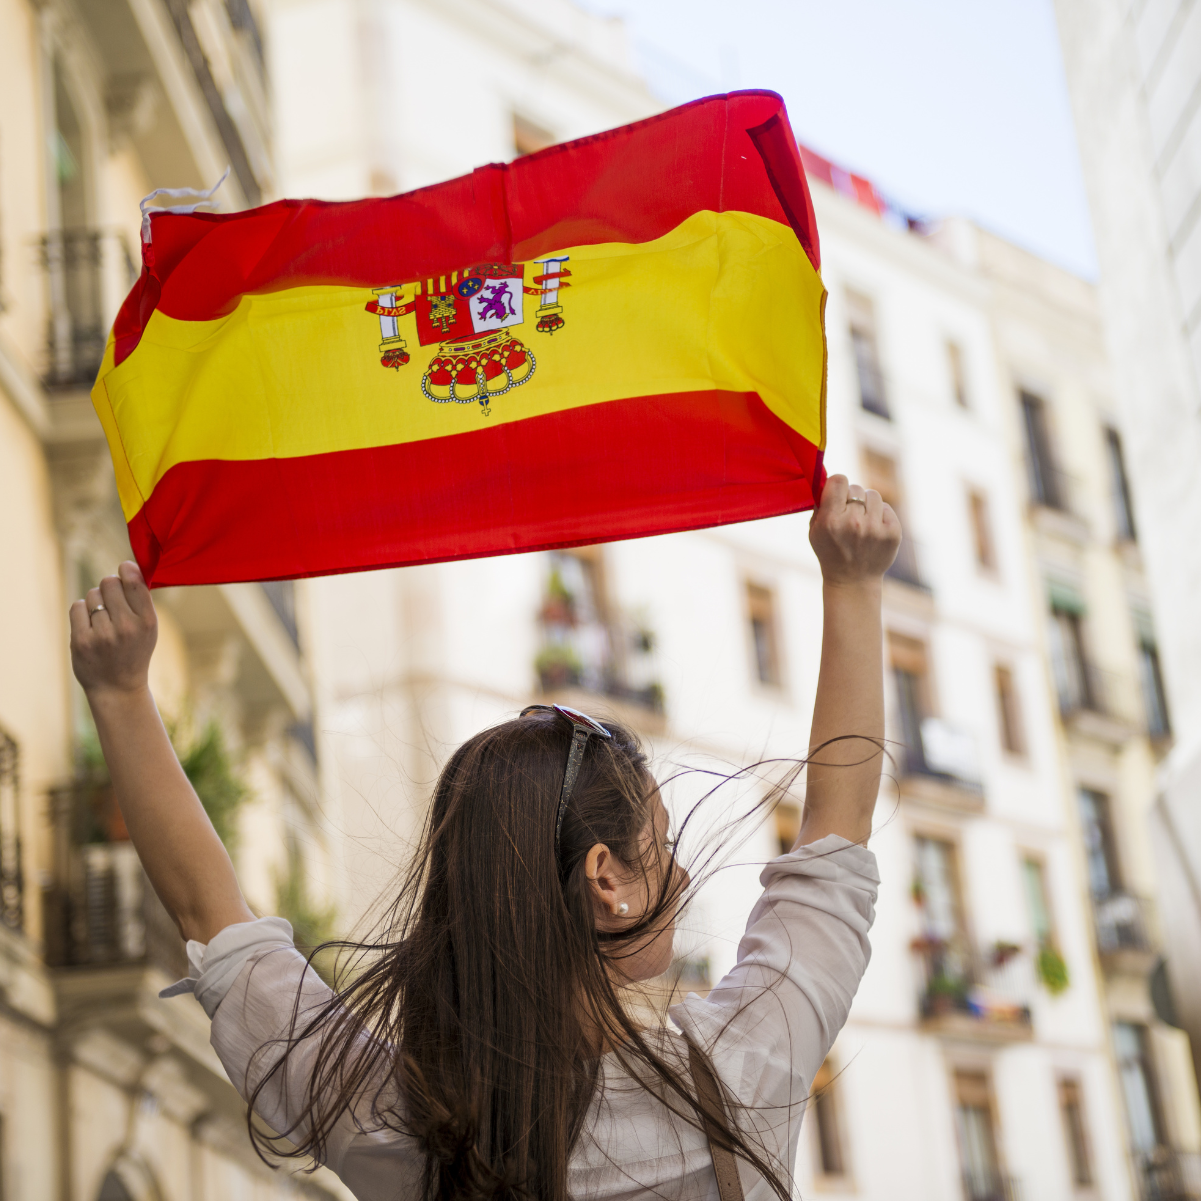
{"x": 1134, "y": 74}
{"x": 106, "y": 1091}
{"x": 979, "y": 1060}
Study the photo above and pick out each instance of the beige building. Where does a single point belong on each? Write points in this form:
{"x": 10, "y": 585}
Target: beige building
{"x": 107, "y": 1092}
{"x": 1102, "y": 656}
{"x": 1134, "y": 74}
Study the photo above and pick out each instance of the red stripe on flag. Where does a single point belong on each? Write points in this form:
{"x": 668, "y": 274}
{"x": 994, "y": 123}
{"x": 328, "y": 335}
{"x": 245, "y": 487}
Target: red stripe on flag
{"x": 638, "y": 467}
{"x": 632, "y": 184}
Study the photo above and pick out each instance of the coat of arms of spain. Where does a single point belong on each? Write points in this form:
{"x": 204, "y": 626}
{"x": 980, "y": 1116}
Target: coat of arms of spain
{"x": 469, "y": 315}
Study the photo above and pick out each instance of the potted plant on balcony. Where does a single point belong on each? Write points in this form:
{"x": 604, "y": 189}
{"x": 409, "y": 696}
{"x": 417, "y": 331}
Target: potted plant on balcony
{"x": 558, "y": 605}
{"x": 1052, "y": 969}
{"x": 558, "y": 666}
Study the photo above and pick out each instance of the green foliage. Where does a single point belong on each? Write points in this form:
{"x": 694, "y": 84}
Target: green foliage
{"x": 208, "y": 767}
{"x": 558, "y": 665}
{"x": 943, "y": 985}
{"x": 206, "y": 763}
{"x": 312, "y": 924}
{"x": 1052, "y": 970}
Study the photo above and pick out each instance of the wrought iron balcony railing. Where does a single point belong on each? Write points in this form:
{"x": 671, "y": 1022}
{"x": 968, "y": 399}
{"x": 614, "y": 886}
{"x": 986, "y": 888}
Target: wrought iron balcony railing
{"x": 992, "y": 990}
{"x": 906, "y": 567}
{"x": 1168, "y": 1175}
{"x": 99, "y": 906}
{"x": 75, "y": 262}
{"x": 989, "y": 1184}
{"x": 1085, "y": 688}
{"x": 1121, "y": 922}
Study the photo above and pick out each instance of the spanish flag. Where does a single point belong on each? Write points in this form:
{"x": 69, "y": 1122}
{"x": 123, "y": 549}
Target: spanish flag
{"x": 614, "y": 337}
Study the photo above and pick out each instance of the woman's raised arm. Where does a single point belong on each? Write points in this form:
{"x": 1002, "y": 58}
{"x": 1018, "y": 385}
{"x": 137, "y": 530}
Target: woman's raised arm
{"x": 113, "y": 633}
{"x": 855, "y": 536}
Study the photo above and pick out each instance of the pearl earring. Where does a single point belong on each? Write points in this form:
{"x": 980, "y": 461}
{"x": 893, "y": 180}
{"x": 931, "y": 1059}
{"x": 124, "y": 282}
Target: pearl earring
{"x": 622, "y": 909}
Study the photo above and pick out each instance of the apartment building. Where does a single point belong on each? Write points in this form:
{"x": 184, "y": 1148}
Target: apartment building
{"x": 979, "y": 1061}
{"x": 106, "y": 1091}
{"x": 1134, "y": 75}
{"x": 1114, "y": 720}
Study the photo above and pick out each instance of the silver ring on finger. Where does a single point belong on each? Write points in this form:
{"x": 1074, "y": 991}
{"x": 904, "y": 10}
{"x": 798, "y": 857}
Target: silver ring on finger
{"x": 97, "y": 609}
{"x": 857, "y": 500}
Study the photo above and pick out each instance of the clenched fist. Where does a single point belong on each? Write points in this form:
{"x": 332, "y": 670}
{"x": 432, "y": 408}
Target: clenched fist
{"x": 113, "y": 632}
{"x": 854, "y": 534}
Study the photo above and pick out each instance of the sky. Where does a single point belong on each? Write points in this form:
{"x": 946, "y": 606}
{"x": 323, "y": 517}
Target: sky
{"x": 948, "y": 106}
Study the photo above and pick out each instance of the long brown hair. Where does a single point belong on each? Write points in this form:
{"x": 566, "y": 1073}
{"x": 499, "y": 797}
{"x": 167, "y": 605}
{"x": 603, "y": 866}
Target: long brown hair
{"x": 475, "y": 1021}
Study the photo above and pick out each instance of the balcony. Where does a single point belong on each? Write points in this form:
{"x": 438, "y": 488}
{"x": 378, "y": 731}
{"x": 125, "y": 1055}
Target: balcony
{"x": 1167, "y": 1175}
{"x": 906, "y": 567}
{"x": 967, "y": 995}
{"x": 1122, "y": 924}
{"x": 100, "y": 909}
{"x": 1088, "y": 702}
{"x": 80, "y": 265}
{"x": 990, "y": 1186}
{"x": 941, "y": 765}
{"x": 590, "y": 650}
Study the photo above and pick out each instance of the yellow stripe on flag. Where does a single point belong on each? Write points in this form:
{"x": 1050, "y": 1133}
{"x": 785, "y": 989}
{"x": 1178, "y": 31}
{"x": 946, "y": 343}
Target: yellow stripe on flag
{"x": 298, "y": 372}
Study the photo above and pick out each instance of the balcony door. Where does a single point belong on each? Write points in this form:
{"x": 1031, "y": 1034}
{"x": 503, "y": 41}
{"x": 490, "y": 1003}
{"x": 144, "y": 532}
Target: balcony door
{"x": 982, "y": 1179}
{"x": 1138, "y": 1087}
{"x": 944, "y": 938}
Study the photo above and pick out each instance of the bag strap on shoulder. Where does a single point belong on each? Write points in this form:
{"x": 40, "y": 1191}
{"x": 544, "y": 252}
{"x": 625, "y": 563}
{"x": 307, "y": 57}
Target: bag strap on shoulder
{"x": 708, "y": 1091}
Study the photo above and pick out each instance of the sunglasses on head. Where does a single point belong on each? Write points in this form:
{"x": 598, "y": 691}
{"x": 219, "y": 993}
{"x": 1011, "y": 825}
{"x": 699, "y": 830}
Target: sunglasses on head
{"x": 583, "y": 728}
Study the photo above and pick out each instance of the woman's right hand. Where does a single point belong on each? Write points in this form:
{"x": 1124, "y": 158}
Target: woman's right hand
{"x": 113, "y": 632}
{"x": 854, "y": 534}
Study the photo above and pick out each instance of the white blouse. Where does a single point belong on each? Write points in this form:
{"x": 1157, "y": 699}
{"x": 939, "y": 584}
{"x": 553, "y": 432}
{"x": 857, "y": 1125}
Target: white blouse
{"x": 768, "y": 1025}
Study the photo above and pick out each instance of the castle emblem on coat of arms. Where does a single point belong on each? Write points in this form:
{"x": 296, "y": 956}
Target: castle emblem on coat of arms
{"x": 469, "y": 315}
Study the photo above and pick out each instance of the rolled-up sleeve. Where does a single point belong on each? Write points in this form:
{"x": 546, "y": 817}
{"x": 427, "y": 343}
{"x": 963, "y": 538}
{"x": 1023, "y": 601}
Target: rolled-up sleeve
{"x": 770, "y": 1022}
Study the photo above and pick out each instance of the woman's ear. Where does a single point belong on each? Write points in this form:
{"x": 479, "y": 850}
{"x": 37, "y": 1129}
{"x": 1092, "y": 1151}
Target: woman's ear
{"x": 605, "y": 880}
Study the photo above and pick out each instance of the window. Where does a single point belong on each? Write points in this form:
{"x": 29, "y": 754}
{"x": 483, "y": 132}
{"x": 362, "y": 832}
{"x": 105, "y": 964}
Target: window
{"x": 1008, "y": 710}
{"x": 908, "y": 659}
{"x": 955, "y": 367}
{"x": 529, "y": 136}
{"x": 1138, "y": 1086}
{"x": 1074, "y": 682}
{"x": 982, "y": 1180}
{"x": 71, "y": 250}
{"x": 1099, "y": 847}
{"x": 788, "y": 825}
{"x": 1034, "y": 880}
{"x": 938, "y": 885}
{"x": 1045, "y": 481}
{"x": 866, "y": 349}
{"x": 587, "y": 642}
{"x": 282, "y": 595}
{"x": 1154, "y": 697}
{"x": 1123, "y": 510}
{"x": 828, "y": 1136}
{"x": 880, "y": 474}
{"x": 761, "y": 611}
{"x": 977, "y": 504}
{"x": 575, "y": 649}
{"x": 1071, "y": 1109}
{"x": 12, "y": 890}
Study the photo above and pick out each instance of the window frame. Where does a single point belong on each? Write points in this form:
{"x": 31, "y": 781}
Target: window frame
{"x": 1042, "y": 462}
{"x": 984, "y": 544}
{"x": 1076, "y": 1135}
{"x": 1010, "y": 726}
{"x": 537, "y": 136}
{"x": 863, "y": 333}
{"x": 1119, "y": 482}
{"x": 761, "y": 608}
{"x": 826, "y": 1106}
{"x": 957, "y": 370}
